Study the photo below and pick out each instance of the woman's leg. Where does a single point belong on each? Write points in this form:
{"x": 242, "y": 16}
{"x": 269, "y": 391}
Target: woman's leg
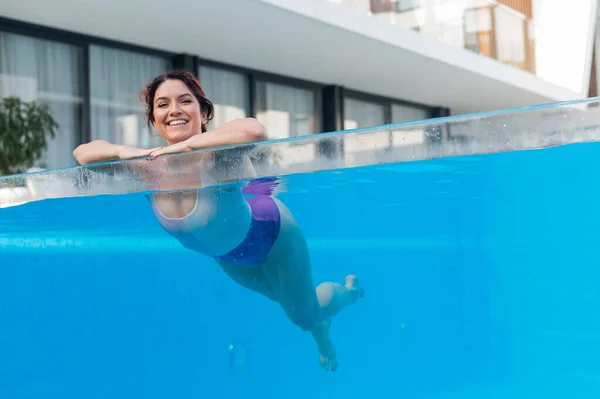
{"x": 288, "y": 269}
{"x": 250, "y": 277}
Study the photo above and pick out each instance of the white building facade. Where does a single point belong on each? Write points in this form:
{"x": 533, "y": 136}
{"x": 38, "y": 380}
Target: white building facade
{"x": 300, "y": 66}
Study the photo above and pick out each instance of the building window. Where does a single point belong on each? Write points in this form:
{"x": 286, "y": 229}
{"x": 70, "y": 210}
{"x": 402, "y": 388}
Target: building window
{"x": 49, "y": 73}
{"x": 286, "y": 111}
{"x": 408, "y": 136}
{"x": 117, "y": 112}
{"x": 405, "y": 113}
{"x": 407, "y": 5}
{"x": 360, "y": 113}
{"x": 478, "y": 30}
{"x": 363, "y": 114}
{"x": 229, "y": 93}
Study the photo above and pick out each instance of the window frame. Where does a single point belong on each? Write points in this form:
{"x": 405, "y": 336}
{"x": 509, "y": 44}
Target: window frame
{"x": 387, "y": 103}
{"x": 253, "y": 76}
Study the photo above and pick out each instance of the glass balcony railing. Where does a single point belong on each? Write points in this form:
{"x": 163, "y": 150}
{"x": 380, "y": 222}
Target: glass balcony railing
{"x": 486, "y": 27}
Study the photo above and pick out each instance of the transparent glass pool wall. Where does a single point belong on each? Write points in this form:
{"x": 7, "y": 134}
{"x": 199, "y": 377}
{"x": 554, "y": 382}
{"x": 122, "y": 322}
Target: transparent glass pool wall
{"x": 478, "y": 261}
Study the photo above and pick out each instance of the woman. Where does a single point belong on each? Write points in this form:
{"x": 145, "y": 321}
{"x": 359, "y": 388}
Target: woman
{"x": 255, "y": 240}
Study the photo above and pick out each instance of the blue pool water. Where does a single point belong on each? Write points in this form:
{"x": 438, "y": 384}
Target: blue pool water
{"x": 481, "y": 275}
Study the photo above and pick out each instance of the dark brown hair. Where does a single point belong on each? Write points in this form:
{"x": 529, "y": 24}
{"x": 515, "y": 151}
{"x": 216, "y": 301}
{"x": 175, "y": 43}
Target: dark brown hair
{"x": 148, "y": 93}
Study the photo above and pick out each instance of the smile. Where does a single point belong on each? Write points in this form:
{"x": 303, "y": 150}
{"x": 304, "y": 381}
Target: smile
{"x": 178, "y": 122}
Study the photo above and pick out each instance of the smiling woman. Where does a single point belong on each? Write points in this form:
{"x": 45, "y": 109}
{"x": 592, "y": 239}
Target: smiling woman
{"x": 170, "y": 104}
{"x": 256, "y": 239}
{"x": 178, "y": 109}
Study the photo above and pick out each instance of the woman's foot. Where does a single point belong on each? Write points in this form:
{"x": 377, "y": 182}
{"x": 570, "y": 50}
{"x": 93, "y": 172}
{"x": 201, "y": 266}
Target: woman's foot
{"x": 353, "y": 286}
{"x": 327, "y": 357}
{"x": 333, "y": 298}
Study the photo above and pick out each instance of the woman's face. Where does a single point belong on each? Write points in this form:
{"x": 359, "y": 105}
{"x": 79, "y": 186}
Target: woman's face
{"x": 177, "y": 114}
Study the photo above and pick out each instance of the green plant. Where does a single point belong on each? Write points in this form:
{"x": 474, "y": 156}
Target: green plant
{"x": 24, "y": 131}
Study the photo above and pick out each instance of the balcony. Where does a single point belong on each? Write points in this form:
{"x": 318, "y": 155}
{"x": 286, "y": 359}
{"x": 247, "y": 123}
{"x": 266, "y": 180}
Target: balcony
{"x": 490, "y": 28}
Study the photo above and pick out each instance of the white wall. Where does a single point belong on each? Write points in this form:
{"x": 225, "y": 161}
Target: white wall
{"x": 564, "y": 33}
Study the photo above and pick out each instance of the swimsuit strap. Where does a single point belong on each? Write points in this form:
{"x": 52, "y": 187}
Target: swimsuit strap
{"x": 264, "y": 229}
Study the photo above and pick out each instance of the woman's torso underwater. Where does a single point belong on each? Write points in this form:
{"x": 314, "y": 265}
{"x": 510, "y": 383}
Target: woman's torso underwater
{"x": 230, "y": 223}
{"x": 209, "y": 220}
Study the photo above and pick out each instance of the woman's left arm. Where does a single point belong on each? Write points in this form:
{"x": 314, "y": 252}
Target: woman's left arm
{"x": 237, "y": 131}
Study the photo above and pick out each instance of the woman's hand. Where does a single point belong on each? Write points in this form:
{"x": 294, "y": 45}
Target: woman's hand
{"x": 235, "y": 132}
{"x": 127, "y": 152}
{"x": 171, "y": 149}
{"x": 102, "y": 150}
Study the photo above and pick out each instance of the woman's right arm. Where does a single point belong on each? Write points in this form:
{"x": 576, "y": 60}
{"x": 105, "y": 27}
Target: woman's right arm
{"x": 101, "y": 150}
